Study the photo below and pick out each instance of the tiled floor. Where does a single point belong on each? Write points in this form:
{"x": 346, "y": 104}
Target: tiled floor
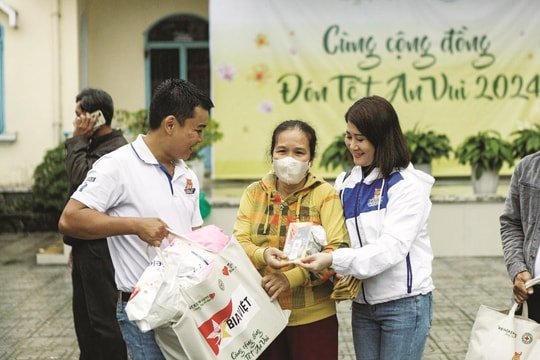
{"x": 36, "y": 321}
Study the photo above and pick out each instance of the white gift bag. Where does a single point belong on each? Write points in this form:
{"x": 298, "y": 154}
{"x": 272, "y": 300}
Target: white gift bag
{"x": 228, "y": 315}
{"x": 501, "y": 335}
{"x": 156, "y": 299}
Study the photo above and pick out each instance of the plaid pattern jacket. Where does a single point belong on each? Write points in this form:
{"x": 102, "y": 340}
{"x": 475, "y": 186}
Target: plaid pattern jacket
{"x": 262, "y": 222}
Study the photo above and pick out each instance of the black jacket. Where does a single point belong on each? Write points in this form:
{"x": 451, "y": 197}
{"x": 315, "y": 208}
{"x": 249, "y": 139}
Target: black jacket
{"x": 81, "y": 153}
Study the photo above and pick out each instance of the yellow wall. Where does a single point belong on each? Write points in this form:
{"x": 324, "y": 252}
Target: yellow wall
{"x": 36, "y": 92}
{"x": 43, "y": 72}
{"x": 116, "y": 44}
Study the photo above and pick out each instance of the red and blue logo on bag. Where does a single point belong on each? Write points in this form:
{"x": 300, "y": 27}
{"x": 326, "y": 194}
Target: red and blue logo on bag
{"x": 230, "y": 321}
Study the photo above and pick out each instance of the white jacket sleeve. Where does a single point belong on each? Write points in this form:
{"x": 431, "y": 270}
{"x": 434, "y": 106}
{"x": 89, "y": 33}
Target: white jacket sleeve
{"x": 387, "y": 242}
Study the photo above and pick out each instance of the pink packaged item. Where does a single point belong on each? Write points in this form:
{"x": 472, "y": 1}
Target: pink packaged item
{"x": 210, "y": 237}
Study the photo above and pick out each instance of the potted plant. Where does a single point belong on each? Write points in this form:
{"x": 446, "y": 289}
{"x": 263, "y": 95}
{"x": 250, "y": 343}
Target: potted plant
{"x": 336, "y": 155}
{"x": 526, "y": 141}
{"x": 486, "y": 152}
{"x": 425, "y": 146}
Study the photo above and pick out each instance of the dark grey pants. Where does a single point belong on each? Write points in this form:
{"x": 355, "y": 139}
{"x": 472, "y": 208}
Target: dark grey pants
{"x": 94, "y": 302}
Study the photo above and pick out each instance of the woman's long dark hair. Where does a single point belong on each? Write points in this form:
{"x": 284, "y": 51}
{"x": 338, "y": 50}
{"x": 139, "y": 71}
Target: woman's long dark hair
{"x": 377, "y": 120}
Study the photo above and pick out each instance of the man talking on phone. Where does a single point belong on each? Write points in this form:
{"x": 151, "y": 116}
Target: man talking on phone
{"x": 92, "y": 272}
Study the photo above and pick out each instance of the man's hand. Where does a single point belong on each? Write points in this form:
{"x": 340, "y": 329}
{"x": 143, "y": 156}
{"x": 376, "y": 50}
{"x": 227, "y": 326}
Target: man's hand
{"x": 84, "y": 125}
{"x": 521, "y": 294}
{"x": 152, "y": 231}
{"x": 274, "y": 284}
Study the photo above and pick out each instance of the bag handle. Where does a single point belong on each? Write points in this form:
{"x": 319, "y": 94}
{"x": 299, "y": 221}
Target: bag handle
{"x": 524, "y": 311}
{"x": 159, "y": 253}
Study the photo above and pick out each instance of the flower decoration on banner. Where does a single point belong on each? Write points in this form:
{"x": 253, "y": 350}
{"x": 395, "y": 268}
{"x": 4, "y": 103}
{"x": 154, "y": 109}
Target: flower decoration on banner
{"x": 226, "y": 71}
{"x": 265, "y": 107}
{"x": 292, "y": 49}
{"x": 261, "y": 41}
{"x": 260, "y": 74}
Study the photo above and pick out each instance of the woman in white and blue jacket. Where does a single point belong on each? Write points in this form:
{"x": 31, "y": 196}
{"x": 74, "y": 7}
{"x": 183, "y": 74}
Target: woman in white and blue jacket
{"x": 386, "y": 203}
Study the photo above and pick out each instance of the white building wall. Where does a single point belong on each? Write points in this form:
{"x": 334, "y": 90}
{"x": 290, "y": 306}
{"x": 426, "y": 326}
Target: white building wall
{"x": 459, "y": 227}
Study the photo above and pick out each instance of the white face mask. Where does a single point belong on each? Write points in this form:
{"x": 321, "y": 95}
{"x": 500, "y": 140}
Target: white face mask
{"x": 290, "y": 170}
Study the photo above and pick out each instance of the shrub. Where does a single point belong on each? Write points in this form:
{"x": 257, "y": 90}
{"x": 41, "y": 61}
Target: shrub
{"x": 51, "y": 182}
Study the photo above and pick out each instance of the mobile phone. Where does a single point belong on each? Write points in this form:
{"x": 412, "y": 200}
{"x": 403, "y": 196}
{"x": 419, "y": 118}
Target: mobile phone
{"x": 100, "y": 119}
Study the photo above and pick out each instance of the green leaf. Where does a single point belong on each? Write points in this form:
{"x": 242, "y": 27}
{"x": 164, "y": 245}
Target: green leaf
{"x": 526, "y": 141}
{"x": 50, "y": 186}
{"x": 427, "y": 145}
{"x": 336, "y": 155}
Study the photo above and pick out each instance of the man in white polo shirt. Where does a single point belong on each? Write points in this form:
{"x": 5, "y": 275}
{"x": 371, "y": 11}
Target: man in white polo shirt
{"x": 133, "y": 194}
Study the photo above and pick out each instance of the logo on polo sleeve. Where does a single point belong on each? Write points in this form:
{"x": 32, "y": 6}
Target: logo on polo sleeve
{"x": 189, "y": 189}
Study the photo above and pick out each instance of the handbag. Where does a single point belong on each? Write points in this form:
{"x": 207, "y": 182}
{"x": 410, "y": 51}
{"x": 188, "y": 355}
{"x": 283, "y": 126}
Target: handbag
{"x": 502, "y": 335}
{"x": 228, "y": 315}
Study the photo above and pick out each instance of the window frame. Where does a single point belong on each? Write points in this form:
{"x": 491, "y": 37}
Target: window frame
{"x": 181, "y": 46}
